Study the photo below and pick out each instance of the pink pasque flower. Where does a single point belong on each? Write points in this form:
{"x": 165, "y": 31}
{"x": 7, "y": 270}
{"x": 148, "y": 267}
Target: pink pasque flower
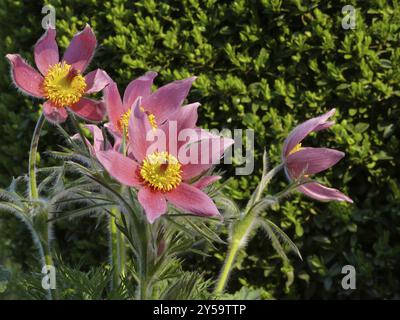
{"x": 62, "y": 83}
{"x": 161, "y": 176}
{"x": 307, "y": 161}
{"x": 159, "y": 106}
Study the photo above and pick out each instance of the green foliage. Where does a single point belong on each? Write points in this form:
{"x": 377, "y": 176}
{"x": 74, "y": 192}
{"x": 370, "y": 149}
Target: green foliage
{"x": 265, "y": 65}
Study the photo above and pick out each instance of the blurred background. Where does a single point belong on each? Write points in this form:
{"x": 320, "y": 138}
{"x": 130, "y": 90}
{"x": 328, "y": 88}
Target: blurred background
{"x": 261, "y": 64}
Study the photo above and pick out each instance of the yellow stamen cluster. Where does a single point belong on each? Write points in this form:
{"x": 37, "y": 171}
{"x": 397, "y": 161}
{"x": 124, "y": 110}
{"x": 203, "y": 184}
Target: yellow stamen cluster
{"x": 124, "y": 122}
{"x": 151, "y": 117}
{"x": 296, "y": 148}
{"x": 63, "y": 85}
{"x": 161, "y": 171}
{"x": 152, "y": 120}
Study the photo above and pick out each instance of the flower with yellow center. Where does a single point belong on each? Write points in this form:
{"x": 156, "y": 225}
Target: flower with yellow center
{"x": 161, "y": 171}
{"x": 123, "y": 122}
{"x": 63, "y": 85}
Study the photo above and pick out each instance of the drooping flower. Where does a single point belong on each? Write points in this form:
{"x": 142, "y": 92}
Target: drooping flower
{"x": 161, "y": 176}
{"x": 305, "y": 161}
{"x": 159, "y": 106}
{"x": 61, "y": 82}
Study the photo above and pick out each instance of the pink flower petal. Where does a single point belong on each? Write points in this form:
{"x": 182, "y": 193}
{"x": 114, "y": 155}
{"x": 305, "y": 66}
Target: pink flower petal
{"x": 54, "y": 114}
{"x": 89, "y": 109}
{"x": 138, "y": 128}
{"x": 153, "y": 203}
{"x": 113, "y": 104}
{"x": 98, "y": 139}
{"x": 312, "y": 160}
{"x": 302, "y": 130}
{"x": 121, "y": 168}
{"x": 81, "y": 49}
{"x": 324, "y": 126}
{"x": 203, "y": 155}
{"x": 322, "y": 193}
{"x": 46, "y": 51}
{"x": 187, "y": 116}
{"x": 96, "y": 81}
{"x": 191, "y": 199}
{"x": 204, "y": 182}
{"x": 139, "y": 87}
{"x": 164, "y": 102}
{"x": 27, "y": 79}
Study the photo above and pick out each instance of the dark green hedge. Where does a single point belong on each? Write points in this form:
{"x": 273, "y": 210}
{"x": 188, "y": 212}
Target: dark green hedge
{"x": 265, "y": 65}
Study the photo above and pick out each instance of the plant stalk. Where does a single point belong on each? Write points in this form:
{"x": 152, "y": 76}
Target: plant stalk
{"x": 241, "y": 230}
{"x": 118, "y": 251}
{"x": 33, "y": 191}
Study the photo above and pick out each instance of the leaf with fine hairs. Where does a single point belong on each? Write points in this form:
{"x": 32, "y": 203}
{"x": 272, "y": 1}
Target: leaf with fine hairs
{"x": 262, "y": 205}
{"x": 274, "y": 232}
{"x": 229, "y": 207}
{"x": 274, "y": 240}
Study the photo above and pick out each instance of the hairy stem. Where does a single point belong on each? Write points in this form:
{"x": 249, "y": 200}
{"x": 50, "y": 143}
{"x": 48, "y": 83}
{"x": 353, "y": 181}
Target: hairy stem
{"x": 41, "y": 246}
{"x": 33, "y": 191}
{"x": 227, "y": 267}
{"x": 117, "y": 246}
{"x": 241, "y": 230}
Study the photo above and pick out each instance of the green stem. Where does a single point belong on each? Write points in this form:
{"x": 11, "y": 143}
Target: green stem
{"x": 33, "y": 191}
{"x": 241, "y": 230}
{"x": 226, "y": 269}
{"x": 42, "y": 238}
{"x": 41, "y": 246}
{"x": 118, "y": 251}
{"x": 114, "y": 251}
{"x": 144, "y": 262}
{"x": 239, "y": 235}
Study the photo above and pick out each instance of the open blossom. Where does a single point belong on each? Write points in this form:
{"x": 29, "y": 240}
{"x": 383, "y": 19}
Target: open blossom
{"x": 304, "y": 161}
{"x": 61, "y": 82}
{"x": 161, "y": 176}
{"x": 159, "y": 106}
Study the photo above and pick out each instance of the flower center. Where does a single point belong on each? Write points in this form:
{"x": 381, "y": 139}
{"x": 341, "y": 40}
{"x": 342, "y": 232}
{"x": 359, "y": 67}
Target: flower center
{"x": 63, "y": 85}
{"x": 151, "y": 117}
{"x": 123, "y": 122}
{"x": 161, "y": 171}
{"x": 296, "y": 148}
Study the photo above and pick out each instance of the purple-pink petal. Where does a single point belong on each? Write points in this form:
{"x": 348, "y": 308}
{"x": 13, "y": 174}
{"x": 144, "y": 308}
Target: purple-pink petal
{"x": 46, "y": 51}
{"x": 192, "y": 200}
{"x": 121, "y": 168}
{"x": 203, "y": 155}
{"x": 25, "y": 77}
{"x": 138, "y": 128}
{"x": 98, "y": 139}
{"x": 165, "y": 101}
{"x": 153, "y": 203}
{"x": 140, "y": 87}
{"x": 89, "y": 109}
{"x": 204, "y": 182}
{"x": 322, "y": 193}
{"x": 81, "y": 49}
{"x": 112, "y": 100}
{"x": 310, "y": 161}
{"x": 187, "y": 116}
{"x": 54, "y": 114}
{"x": 96, "y": 81}
{"x": 302, "y": 130}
